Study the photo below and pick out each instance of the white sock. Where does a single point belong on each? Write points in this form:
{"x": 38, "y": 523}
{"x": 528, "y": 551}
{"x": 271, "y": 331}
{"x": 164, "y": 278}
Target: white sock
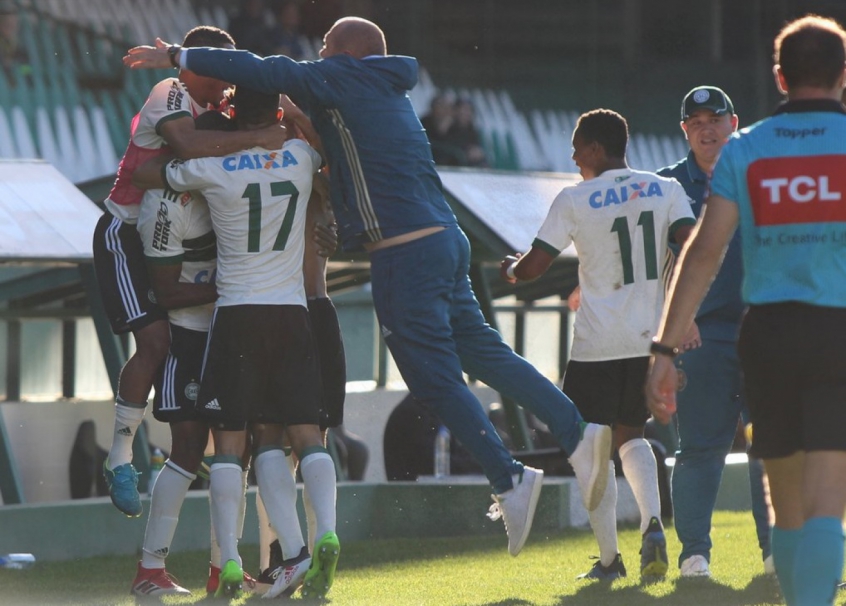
{"x": 311, "y": 520}
{"x": 227, "y": 490}
{"x": 168, "y": 496}
{"x": 266, "y": 533}
{"x": 279, "y": 492}
{"x": 242, "y": 506}
{"x": 640, "y": 470}
{"x": 318, "y": 472}
{"x": 603, "y": 520}
{"x": 128, "y": 417}
{"x": 214, "y": 556}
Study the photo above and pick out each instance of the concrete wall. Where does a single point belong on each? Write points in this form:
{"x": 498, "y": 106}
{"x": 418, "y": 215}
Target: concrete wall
{"x": 42, "y": 435}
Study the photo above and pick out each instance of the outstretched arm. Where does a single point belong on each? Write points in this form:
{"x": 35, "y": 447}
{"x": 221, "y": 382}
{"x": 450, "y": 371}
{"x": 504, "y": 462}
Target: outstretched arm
{"x": 273, "y": 74}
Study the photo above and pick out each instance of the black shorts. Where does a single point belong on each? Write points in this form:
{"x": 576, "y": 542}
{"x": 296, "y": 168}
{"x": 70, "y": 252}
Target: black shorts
{"x": 795, "y": 377}
{"x": 122, "y": 276}
{"x": 609, "y": 392}
{"x": 260, "y": 367}
{"x": 178, "y": 379}
{"x": 333, "y": 361}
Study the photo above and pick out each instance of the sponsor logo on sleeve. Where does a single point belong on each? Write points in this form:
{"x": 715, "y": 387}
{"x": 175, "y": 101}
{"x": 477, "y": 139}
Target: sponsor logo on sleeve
{"x": 161, "y": 233}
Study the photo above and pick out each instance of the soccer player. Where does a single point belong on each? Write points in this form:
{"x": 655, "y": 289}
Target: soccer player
{"x": 620, "y": 221}
{"x": 389, "y": 201}
{"x": 165, "y": 122}
{"x": 782, "y": 181}
{"x": 180, "y": 248}
{"x": 261, "y": 378}
{"x": 711, "y": 402}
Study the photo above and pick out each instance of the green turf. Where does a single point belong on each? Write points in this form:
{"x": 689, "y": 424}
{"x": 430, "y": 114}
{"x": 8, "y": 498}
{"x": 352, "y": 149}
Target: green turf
{"x": 446, "y": 572}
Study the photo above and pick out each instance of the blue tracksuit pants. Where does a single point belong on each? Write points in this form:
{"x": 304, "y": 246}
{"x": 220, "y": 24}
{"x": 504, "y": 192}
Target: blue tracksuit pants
{"x": 434, "y": 328}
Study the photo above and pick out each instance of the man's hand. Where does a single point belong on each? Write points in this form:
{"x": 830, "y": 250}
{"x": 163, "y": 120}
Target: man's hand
{"x": 661, "y": 386}
{"x": 691, "y": 339}
{"x": 506, "y": 263}
{"x": 271, "y": 137}
{"x": 326, "y": 238}
{"x": 148, "y": 57}
{"x": 574, "y": 301}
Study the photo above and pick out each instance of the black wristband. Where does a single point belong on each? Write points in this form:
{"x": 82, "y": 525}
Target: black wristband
{"x": 172, "y": 51}
{"x": 664, "y": 350}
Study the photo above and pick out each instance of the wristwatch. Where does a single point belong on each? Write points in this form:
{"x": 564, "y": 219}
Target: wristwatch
{"x": 664, "y": 350}
{"x": 172, "y": 51}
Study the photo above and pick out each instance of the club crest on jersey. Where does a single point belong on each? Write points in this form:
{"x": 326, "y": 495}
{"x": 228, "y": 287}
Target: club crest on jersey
{"x": 624, "y": 193}
{"x": 259, "y": 161}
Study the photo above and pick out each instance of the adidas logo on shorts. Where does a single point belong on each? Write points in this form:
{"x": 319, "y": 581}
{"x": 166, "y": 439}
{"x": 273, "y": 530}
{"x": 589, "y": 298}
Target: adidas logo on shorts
{"x": 213, "y": 405}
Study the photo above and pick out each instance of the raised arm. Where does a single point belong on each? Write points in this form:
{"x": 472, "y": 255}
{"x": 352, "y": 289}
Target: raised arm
{"x": 275, "y": 74}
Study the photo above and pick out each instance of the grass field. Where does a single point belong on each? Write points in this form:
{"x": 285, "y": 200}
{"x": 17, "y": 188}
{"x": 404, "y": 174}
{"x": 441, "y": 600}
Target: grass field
{"x": 446, "y": 572}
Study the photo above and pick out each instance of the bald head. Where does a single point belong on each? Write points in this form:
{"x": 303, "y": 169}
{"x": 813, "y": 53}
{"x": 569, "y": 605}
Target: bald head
{"x": 355, "y": 37}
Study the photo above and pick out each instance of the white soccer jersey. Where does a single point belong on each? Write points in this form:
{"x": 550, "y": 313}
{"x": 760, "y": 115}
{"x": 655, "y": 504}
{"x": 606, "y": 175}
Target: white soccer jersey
{"x": 177, "y": 228}
{"x": 620, "y": 223}
{"x": 169, "y": 99}
{"x": 258, "y": 202}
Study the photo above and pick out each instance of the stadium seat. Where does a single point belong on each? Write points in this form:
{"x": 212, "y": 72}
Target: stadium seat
{"x": 47, "y": 146}
{"x": 23, "y": 135}
{"x": 7, "y": 141}
{"x": 108, "y": 159}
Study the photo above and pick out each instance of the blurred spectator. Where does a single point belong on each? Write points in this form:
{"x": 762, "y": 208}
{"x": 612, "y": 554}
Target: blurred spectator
{"x": 247, "y": 27}
{"x": 463, "y": 134}
{"x": 437, "y": 124}
{"x": 13, "y": 57}
{"x": 283, "y": 37}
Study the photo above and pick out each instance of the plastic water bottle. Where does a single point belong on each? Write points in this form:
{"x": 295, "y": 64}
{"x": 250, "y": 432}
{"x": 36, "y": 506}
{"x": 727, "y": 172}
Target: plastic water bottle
{"x": 17, "y": 561}
{"x": 442, "y": 452}
{"x": 157, "y": 462}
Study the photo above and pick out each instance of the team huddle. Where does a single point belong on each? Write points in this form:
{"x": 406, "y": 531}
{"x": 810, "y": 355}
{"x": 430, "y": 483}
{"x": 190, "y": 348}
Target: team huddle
{"x": 212, "y": 252}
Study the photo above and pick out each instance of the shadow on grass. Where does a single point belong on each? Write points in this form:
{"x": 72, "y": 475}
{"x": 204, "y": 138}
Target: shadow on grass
{"x": 385, "y": 551}
{"x": 761, "y": 589}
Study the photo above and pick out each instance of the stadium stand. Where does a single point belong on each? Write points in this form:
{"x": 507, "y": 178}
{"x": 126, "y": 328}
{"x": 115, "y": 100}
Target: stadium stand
{"x": 74, "y": 108}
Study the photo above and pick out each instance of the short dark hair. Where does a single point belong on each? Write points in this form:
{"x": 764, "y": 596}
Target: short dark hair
{"x": 207, "y": 35}
{"x": 254, "y": 107}
{"x": 606, "y": 127}
{"x": 811, "y": 52}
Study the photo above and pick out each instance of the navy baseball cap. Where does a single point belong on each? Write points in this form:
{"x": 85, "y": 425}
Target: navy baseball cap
{"x": 706, "y": 97}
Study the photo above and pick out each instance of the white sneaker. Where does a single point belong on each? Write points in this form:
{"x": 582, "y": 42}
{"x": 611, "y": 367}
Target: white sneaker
{"x": 695, "y": 566}
{"x": 286, "y": 577}
{"x": 517, "y": 507}
{"x": 590, "y": 463}
{"x": 769, "y": 565}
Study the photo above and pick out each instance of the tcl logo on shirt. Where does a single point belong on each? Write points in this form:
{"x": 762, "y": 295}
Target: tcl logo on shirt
{"x": 798, "y": 190}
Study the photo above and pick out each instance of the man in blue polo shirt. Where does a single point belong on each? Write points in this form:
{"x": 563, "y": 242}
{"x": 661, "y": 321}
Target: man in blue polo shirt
{"x": 783, "y": 180}
{"x": 711, "y": 400}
